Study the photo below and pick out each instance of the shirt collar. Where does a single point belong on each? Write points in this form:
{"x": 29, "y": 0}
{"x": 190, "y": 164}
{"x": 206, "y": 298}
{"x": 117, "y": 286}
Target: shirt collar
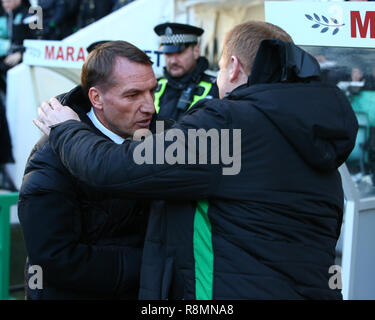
{"x": 111, "y": 135}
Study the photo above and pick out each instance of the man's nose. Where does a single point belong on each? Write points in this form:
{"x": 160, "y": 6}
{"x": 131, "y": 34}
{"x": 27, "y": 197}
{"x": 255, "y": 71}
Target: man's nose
{"x": 148, "y": 104}
{"x": 172, "y": 58}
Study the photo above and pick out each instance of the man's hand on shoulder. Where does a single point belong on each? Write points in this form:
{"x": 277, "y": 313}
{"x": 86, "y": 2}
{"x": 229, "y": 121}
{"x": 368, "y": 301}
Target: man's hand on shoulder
{"x": 53, "y": 113}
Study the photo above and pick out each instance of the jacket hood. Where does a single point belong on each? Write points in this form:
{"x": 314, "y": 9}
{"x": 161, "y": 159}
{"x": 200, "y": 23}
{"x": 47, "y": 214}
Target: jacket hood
{"x": 279, "y": 61}
{"x": 315, "y": 118}
{"x": 77, "y": 100}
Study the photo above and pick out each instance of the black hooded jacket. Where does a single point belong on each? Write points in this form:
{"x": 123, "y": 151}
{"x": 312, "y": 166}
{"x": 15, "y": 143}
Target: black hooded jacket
{"x": 266, "y": 231}
{"x": 88, "y": 244}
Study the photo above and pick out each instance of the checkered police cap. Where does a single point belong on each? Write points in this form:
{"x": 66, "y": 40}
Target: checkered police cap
{"x": 174, "y": 37}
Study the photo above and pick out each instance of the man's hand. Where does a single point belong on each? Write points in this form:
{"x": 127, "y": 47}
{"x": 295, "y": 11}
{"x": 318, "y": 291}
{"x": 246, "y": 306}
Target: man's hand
{"x": 13, "y": 59}
{"x": 53, "y": 113}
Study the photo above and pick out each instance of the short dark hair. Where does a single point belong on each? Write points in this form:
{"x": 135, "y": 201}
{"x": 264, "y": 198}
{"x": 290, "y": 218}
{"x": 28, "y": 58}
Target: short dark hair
{"x": 98, "y": 67}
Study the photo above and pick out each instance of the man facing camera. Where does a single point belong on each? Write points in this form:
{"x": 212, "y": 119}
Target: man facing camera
{"x": 185, "y": 80}
{"x": 88, "y": 243}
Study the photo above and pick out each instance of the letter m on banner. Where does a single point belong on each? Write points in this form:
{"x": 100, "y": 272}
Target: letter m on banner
{"x": 356, "y": 22}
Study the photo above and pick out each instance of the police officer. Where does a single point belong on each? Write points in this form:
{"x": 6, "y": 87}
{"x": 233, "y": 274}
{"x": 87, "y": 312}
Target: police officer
{"x": 184, "y": 81}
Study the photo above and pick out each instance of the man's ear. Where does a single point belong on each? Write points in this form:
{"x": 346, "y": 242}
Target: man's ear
{"x": 236, "y": 71}
{"x": 196, "y": 51}
{"x": 96, "y": 99}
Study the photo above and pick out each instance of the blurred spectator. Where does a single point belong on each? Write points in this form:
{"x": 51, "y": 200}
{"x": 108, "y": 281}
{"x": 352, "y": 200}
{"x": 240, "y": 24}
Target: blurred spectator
{"x": 5, "y": 150}
{"x": 59, "y": 18}
{"x": 14, "y": 29}
{"x": 120, "y": 3}
{"x": 370, "y": 81}
{"x": 18, "y": 20}
{"x": 354, "y": 82}
{"x": 357, "y": 74}
{"x": 92, "y": 10}
{"x": 5, "y": 145}
{"x": 4, "y": 40}
{"x": 327, "y": 68}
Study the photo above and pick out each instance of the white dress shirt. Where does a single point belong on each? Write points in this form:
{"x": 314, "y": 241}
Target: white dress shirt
{"x": 111, "y": 135}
